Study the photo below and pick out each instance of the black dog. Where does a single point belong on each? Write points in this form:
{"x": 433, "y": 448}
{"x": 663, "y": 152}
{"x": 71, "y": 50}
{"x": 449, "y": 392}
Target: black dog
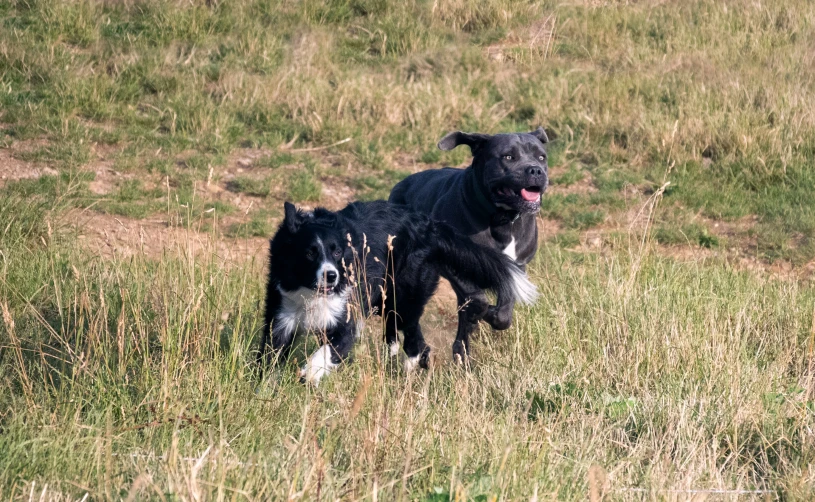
{"x": 494, "y": 202}
{"x": 384, "y": 255}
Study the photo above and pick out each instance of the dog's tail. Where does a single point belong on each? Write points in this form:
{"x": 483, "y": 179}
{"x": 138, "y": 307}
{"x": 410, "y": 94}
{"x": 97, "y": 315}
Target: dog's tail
{"x": 484, "y": 267}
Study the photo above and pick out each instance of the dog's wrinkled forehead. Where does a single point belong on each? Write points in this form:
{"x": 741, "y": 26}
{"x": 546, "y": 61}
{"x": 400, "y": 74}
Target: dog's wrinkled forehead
{"x": 500, "y": 145}
{"x": 488, "y": 145}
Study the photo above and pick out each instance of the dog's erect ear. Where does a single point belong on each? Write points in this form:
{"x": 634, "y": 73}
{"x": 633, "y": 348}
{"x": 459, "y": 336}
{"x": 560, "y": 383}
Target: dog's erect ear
{"x": 474, "y": 140}
{"x": 540, "y": 134}
{"x": 292, "y": 218}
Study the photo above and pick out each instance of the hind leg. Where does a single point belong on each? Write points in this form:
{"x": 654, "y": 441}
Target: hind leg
{"x": 416, "y": 349}
{"x": 500, "y": 316}
{"x": 412, "y": 295}
{"x": 391, "y": 335}
{"x": 472, "y": 306}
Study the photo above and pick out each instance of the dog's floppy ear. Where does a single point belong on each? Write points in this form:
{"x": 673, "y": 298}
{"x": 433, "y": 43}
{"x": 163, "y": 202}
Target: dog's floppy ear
{"x": 474, "y": 140}
{"x": 540, "y": 134}
{"x": 292, "y": 218}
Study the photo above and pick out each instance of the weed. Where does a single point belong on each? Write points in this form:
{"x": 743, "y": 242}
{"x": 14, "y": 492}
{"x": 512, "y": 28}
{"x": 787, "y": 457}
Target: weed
{"x": 276, "y": 160}
{"x": 259, "y": 225}
{"x": 303, "y": 186}
{"x": 580, "y": 219}
{"x": 259, "y": 187}
{"x": 568, "y": 177}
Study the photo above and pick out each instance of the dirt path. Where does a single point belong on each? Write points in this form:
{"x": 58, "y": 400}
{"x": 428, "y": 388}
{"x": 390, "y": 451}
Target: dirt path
{"x": 114, "y": 236}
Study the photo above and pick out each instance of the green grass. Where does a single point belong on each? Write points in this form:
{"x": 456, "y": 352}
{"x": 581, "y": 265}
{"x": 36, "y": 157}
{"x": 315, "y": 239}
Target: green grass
{"x": 134, "y": 376}
{"x": 251, "y": 186}
{"x": 693, "y": 234}
{"x": 133, "y": 200}
{"x": 303, "y": 186}
{"x": 260, "y": 224}
{"x": 670, "y": 375}
{"x": 276, "y": 160}
{"x": 377, "y": 187}
{"x": 568, "y": 178}
{"x": 64, "y": 155}
{"x": 628, "y": 93}
{"x": 576, "y": 211}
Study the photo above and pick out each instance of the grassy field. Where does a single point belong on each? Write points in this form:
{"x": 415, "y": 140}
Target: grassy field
{"x": 145, "y": 151}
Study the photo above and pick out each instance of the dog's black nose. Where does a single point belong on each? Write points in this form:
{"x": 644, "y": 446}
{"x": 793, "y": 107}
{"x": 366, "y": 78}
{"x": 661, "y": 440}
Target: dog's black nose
{"x": 331, "y": 277}
{"x": 534, "y": 171}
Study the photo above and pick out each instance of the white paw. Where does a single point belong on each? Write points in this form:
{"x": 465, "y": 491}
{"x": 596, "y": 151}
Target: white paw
{"x": 319, "y": 365}
{"x": 411, "y": 363}
{"x": 394, "y": 348}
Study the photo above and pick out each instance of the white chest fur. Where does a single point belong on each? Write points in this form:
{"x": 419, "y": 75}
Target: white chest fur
{"x": 306, "y": 309}
{"x": 510, "y": 249}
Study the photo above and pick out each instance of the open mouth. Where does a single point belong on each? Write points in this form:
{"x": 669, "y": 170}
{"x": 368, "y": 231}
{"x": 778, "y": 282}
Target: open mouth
{"x": 325, "y": 290}
{"x": 531, "y": 193}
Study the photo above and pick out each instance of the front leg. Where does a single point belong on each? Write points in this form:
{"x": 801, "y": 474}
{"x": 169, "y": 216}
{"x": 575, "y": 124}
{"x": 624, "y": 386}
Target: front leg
{"x": 272, "y": 331}
{"x": 337, "y": 347}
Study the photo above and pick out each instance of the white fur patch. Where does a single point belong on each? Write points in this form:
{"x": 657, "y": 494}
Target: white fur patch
{"x": 318, "y": 365}
{"x": 522, "y": 289}
{"x": 311, "y": 310}
{"x": 325, "y": 267}
{"x": 411, "y": 363}
{"x": 393, "y": 348}
{"x": 510, "y": 249}
{"x": 285, "y": 323}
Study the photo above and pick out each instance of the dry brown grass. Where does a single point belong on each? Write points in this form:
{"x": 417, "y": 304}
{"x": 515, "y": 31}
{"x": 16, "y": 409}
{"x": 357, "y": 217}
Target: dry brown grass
{"x": 634, "y": 377}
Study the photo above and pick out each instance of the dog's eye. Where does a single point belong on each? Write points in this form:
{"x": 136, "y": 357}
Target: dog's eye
{"x": 541, "y": 158}
{"x": 309, "y": 254}
{"x": 337, "y": 253}
{"x": 507, "y": 157}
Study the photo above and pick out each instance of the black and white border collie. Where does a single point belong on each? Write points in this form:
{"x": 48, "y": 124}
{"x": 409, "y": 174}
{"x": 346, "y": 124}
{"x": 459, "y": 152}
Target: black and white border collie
{"x": 384, "y": 257}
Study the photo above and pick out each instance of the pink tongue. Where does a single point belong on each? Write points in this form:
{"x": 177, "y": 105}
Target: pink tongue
{"x": 530, "y": 196}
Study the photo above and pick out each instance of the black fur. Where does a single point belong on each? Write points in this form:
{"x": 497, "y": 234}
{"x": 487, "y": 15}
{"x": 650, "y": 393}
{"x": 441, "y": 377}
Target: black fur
{"x": 423, "y": 250}
{"x": 491, "y": 202}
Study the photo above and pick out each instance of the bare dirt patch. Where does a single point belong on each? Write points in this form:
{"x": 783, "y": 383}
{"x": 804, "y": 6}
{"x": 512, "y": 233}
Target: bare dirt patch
{"x": 336, "y": 194}
{"x": 246, "y": 158}
{"x": 730, "y": 229}
{"x": 106, "y": 179}
{"x": 739, "y": 261}
{"x": 582, "y": 186}
{"x": 336, "y": 190}
{"x": 110, "y": 236}
{"x": 13, "y": 169}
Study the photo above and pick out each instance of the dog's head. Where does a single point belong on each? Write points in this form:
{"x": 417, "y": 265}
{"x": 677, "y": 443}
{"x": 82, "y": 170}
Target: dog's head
{"x": 512, "y": 168}
{"x": 308, "y": 251}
